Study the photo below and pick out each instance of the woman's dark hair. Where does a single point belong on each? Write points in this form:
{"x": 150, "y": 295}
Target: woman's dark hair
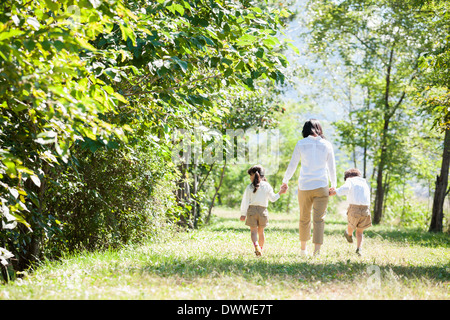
{"x": 312, "y": 127}
{"x": 352, "y": 173}
{"x": 258, "y": 171}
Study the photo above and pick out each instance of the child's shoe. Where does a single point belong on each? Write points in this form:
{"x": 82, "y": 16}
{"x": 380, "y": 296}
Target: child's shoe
{"x": 348, "y": 237}
{"x": 258, "y": 250}
{"x": 359, "y": 252}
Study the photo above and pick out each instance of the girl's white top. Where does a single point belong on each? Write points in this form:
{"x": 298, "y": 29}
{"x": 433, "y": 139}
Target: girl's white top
{"x": 317, "y": 164}
{"x": 357, "y": 191}
{"x": 258, "y": 198}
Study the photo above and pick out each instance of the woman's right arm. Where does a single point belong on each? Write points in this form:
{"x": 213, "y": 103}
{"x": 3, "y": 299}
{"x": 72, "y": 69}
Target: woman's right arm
{"x": 292, "y": 164}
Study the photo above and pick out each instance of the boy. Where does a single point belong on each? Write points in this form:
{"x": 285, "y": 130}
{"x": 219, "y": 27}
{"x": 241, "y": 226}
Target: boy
{"x": 358, "y": 215}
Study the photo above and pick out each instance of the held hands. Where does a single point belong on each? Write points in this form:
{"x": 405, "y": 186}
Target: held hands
{"x": 332, "y": 192}
{"x": 283, "y": 189}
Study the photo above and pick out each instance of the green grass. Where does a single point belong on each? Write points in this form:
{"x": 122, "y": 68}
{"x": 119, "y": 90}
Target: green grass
{"x": 218, "y": 262}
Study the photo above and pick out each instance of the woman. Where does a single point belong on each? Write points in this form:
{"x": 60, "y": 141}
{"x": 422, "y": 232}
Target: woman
{"x": 317, "y": 164}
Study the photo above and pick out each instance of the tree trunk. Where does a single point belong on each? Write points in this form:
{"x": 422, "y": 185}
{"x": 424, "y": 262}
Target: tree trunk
{"x": 195, "y": 207}
{"x": 366, "y": 132}
{"x": 379, "y": 194}
{"x": 217, "y": 191}
{"x": 441, "y": 188}
{"x": 365, "y": 158}
{"x": 183, "y": 195}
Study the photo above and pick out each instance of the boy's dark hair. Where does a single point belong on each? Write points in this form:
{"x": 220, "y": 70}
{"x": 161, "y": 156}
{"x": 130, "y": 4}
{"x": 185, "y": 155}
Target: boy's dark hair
{"x": 258, "y": 171}
{"x": 312, "y": 127}
{"x": 352, "y": 173}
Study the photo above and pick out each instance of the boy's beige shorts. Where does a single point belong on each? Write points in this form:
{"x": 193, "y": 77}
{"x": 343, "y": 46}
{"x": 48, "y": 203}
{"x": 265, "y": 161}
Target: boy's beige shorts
{"x": 359, "y": 216}
{"x": 257, "y": 216}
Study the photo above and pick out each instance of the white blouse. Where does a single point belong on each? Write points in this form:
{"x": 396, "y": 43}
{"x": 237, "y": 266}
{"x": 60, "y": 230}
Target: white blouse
{"x": 357, "y": 191}
{"x": 317, "y": 164}
{"x": 258, "y": 198}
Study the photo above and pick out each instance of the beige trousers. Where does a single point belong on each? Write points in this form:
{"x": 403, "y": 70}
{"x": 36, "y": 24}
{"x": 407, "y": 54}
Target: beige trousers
{"x": 316, "y": 199}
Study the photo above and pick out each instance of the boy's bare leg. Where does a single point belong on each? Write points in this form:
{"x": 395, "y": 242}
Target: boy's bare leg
{"x": 359, "y": 237}
{"x": 350, "y": 230}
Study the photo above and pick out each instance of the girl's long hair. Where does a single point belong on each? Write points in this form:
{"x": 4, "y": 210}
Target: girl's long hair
{"x": 258, "y": 171}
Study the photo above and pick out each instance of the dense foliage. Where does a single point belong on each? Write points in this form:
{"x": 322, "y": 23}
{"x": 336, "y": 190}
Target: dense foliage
{"x": 387, "y": 50}
{"x": 91, "y": 95}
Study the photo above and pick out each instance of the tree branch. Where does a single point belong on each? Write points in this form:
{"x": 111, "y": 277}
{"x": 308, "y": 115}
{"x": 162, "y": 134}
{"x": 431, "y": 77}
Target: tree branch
{"x": 217, "y": 191}
{"x": 413, "y": 75}
{"x": 201, "y": 184}
{"x": 388, "y": 79}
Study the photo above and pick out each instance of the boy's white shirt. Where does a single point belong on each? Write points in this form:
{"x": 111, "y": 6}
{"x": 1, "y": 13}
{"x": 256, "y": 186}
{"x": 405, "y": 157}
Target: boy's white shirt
{"x": 259, "y": 198}
{"x": 317, "y": 163}
{"x": 357, "y": 191}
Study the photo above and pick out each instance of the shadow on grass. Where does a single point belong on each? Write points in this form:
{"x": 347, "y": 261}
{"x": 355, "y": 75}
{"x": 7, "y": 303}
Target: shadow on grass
{"x": 404, "y": 237}
{"x": 335, "y": 227}
{"x": 410, "y": 236}
{"x": 289, "y": 268}
{"x": 259, "y": 270}
{"x": 246, "y": 229}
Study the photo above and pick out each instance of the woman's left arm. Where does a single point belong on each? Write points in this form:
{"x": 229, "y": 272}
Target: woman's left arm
{"x": 292, "y": 164}
{"x": 331, "y": 164}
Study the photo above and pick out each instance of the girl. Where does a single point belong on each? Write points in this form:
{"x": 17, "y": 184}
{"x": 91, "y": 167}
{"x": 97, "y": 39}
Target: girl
{"x": 254, "y": 205}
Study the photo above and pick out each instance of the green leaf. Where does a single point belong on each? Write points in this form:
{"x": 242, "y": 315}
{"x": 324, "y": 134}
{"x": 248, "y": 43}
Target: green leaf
{"x": 46, "y": 137}
{"x": 36, "y": 181}
{"x": 176, "y": 7}
{"x": 11, "y": 167}
{"x": 256, "y": 9}
{"x": 14, "y": 192}
{"x": 296, "y": 50}
{"x": 11, "y": 33}
{"x": 240, "y": 65}
{"x": 183, "y": 64}
{"x": 271, "y": 41}
{"x": 19, "y": 107}
{"x": 20, "y": 219}
{"x": 52, "y": 5}
{"x": 24, "y": 169}
{"x": 245, "y": 40}
{"x": 127, "y": 32}
{"x": 85, "y": 44}
{"x": 108, "y": 89}
{"x": 95, "y": 3}
{"x": 260, "y": 53}
{"x": 120, "y": 97}
{"x": 34, "y": 23}
{"x": 47, "y": 134}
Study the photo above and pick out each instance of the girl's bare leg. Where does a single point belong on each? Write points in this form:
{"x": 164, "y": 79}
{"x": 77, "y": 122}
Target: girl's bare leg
{"x": 254, "y": 234}
{"x": 261, "y": 236}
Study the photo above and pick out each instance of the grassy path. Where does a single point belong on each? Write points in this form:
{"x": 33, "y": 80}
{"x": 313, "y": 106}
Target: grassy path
{"x": 217, "y": 262}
